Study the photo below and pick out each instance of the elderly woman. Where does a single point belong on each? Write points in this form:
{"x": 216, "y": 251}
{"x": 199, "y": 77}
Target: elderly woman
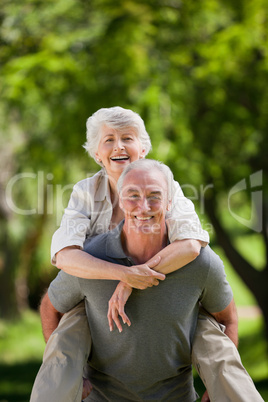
{"x": 115, "y": 138}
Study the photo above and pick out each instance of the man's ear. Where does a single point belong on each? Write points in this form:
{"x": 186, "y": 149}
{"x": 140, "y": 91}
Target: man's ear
{"x": 169, "y": 205}
{"x": 121, "y": 204}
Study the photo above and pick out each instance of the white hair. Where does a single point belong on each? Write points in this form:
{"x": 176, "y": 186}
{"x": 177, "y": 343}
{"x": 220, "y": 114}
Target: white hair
{"x": 149, "y": 165}
{"x": 118, "y": 118}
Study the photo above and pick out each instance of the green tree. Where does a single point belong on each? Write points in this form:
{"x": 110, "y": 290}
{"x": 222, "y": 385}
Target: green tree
{"x": 211, "y": 98}
{"x": 195, "y": 71}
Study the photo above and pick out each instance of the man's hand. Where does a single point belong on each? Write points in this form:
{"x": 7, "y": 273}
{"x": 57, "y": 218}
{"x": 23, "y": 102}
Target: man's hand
{"x": 142, "y": 276}
{"x": 87, "y": 388}
{"x": 205, "y": 397}
{"x": 117, "y": 305}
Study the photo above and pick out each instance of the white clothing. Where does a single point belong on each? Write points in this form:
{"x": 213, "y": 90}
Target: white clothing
{"x": 90, "y": 209}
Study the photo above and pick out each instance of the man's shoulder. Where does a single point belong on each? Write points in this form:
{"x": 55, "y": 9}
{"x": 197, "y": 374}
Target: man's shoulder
{"x": 105, "y": 245}
{"x": 208, "y": 257}
{"x": 97, "y": 242}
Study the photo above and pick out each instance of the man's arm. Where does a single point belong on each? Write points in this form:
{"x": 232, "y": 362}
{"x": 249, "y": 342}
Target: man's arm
{"x": 228, "y": 317}
{"x": 50, "y": 317}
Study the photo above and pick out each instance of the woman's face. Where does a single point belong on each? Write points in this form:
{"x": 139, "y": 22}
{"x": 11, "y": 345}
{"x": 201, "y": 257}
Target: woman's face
{"x": 118, "y": 148}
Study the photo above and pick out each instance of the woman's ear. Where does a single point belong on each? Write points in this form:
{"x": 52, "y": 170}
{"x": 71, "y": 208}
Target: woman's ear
{"x": 97, "y": 157}
{"x": 142, "y": 154}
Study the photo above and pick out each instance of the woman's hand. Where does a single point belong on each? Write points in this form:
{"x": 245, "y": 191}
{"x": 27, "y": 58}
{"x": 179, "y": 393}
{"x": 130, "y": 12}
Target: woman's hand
{"x": 142, "y": 276}
{"x": 117, "y": 305}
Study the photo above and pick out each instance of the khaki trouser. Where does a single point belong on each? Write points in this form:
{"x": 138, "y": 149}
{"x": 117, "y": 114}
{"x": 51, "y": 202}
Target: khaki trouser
{"x": 60, "y": 376}
{"x": 214, "y": 356}
{"x": 218, "y": 363}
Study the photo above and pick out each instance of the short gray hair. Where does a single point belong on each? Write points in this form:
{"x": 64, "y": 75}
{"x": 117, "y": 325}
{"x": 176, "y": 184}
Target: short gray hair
{"x": 118, "y": 118}
{"x": 149, "y": 165}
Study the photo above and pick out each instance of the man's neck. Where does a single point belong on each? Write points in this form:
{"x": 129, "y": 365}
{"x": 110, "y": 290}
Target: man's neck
{"x": 141, "y": 247}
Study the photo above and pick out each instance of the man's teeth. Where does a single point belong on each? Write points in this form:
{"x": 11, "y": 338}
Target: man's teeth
{"x": 143, "y": 218}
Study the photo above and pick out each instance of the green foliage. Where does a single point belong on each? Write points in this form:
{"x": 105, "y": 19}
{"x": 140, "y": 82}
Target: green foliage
{"x": 195, "y": 71}
{"x": 21, "y": 340}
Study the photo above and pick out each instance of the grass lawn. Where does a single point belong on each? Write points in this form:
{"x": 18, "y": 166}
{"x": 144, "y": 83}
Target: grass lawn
{"x": 21, "y": 350}
{"x": 22, "y": 345}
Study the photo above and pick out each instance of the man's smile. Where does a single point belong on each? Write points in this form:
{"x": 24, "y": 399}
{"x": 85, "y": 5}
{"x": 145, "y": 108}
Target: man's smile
{"x": 144, "y": 218}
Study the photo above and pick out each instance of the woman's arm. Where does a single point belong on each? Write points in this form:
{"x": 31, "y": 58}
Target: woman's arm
{"x": 174, "y": 256}
{"x": 78, "y": 263}
{"x": 182, "y": 220}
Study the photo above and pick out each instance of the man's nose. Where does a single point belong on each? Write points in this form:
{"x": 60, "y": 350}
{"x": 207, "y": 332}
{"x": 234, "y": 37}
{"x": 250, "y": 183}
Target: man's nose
{"x": 144, "y": 205}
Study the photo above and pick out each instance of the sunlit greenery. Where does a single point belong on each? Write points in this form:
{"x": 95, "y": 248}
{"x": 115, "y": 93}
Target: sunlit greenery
{"x": 197, "y": 72}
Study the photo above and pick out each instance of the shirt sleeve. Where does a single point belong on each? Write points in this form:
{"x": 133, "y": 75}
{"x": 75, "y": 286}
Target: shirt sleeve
{"x": 75, "y": 223}
{"x": 65, "y": 292}
{"x": 217, "y": 293}
{"x": 182, "y": 221}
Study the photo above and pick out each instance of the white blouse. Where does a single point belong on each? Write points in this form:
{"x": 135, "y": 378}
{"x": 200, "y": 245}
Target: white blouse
{"x": 89, "y": 213}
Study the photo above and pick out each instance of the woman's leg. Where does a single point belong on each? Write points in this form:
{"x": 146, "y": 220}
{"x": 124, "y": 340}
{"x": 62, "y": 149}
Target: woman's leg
{"x": 60, "y": 377}
{"x": 218, "y": 363}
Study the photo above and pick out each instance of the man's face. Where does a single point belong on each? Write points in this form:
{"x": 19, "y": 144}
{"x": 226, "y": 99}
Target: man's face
{"x": 144, "y": 200}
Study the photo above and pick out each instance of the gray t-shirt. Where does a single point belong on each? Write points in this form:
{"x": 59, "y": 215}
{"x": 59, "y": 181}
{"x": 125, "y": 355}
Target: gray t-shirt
{"x": 151, "y": 359}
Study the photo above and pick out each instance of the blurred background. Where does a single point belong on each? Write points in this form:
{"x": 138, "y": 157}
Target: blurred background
{"x": 197, "y": 73}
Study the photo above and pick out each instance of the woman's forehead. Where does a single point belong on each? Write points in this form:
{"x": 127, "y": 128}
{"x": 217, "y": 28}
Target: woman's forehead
{"x": 109, "y": 129}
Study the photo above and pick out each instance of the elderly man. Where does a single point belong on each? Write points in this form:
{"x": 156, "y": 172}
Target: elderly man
{"x": 151, "y": 359}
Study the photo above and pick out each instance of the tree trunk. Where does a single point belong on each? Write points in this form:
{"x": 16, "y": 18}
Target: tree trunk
{"x": 255, "y": 280}
{"x": 8, "y": 263}
{"x": 27, "y": 254}
{"x": 16, "y": 260}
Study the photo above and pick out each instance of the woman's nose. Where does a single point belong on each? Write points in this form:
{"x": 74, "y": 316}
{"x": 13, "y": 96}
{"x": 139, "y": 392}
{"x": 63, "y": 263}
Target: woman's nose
{"x": 119, "y": 145}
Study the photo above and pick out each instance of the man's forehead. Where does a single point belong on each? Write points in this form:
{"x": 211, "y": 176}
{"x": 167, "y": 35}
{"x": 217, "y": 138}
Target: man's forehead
{"x": 148, "y": 187}
{"x": 136, "y": 180}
